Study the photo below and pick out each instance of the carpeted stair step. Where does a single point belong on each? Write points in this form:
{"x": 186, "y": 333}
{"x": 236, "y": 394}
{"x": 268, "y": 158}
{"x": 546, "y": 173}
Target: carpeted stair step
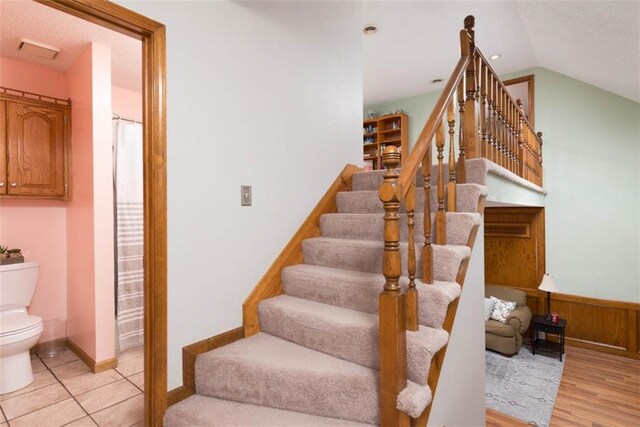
{"x": 367, "y": 256}
{"x": 360, "y": 291}
{"x": 371, "y": 180}
{"x": 347, "y": 334}
{"x": 203, "y": 411}
{"x": 269, "y": 371}
{"x": 467, "y": 198}
{"x": 371, "y": 226}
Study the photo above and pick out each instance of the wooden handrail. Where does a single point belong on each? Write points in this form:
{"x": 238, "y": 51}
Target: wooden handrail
{"x": 507, "y": 136}
{"x": 501, "y": 84}
{"x": 423, "y": 143}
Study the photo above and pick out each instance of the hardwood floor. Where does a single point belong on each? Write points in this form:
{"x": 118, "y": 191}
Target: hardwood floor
{"x": 498, "y": 419}
{"x": 597, "y": 389}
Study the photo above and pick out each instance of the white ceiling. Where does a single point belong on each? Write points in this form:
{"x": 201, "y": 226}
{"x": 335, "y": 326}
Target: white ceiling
{"x": 31, "y": 20}
{"x": 597, "y": 42}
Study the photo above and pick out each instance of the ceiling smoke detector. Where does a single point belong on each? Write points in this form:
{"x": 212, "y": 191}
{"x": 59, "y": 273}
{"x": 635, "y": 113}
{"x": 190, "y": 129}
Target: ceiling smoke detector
{"x": 370, "y": 29}
{"x": 38, "y": 49}
{"x": 496, "y": 56}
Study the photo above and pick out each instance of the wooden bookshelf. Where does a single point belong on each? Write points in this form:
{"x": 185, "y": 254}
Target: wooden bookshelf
{"x": 377, "y": 133}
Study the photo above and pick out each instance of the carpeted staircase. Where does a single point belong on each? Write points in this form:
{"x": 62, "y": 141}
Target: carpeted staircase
{"x": 315, "y": 361}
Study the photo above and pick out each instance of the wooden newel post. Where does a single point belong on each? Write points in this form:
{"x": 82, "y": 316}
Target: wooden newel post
{"x": 392, "y": 309}
{"x": 470, "y": 121}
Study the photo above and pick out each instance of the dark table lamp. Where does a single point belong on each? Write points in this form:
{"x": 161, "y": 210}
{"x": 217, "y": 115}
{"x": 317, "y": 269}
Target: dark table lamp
{"x": 548, "y": 285}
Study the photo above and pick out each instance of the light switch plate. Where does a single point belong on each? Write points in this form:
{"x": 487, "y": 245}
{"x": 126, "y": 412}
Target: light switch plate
{"x": 245, "y": 195}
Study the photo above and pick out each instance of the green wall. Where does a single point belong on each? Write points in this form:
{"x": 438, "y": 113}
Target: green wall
{"x": 592, "y": 175}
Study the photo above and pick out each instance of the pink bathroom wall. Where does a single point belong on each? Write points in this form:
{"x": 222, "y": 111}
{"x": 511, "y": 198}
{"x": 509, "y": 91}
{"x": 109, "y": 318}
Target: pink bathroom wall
{"x": 127, "y": 103}
{"x": 103, "y": 204}
{"x": 38, "y": 227}
{"x": 81, "y": 316}
{"x": 90, "y": 300}
{"x": 32, "y": 78}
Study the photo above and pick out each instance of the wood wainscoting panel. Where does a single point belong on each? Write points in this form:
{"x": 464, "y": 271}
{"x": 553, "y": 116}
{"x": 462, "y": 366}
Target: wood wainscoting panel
{"x": 607, "y": 326}
{"x": 596, "y": 324}
{"x": 514, "y": 245}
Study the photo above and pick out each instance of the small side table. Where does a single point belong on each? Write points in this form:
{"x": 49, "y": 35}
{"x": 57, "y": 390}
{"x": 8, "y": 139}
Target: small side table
{"x": 540, "y": 324}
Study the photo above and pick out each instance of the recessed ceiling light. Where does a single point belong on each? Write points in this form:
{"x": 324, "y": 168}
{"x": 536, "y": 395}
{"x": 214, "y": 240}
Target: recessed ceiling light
{"x": 436, "y": 80}
{"x": 38, "y": 49}
{"x": 496, "y": 56}
{"x": 370, "y": 29}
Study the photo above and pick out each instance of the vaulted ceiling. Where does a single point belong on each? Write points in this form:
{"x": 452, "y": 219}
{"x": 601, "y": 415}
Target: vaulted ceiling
{"x": 597, "y": 42}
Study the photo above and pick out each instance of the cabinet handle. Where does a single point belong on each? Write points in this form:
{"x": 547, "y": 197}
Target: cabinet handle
{"x": 14, "y": 185}
{"x": 1, "y": 184}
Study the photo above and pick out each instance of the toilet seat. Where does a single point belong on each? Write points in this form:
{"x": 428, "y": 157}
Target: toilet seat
{"x": 19, "y": 323}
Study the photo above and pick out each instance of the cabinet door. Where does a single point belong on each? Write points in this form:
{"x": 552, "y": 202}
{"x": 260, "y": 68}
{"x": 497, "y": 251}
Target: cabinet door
{"x": 3, "y": 147}
{"x": 35, "y": 137}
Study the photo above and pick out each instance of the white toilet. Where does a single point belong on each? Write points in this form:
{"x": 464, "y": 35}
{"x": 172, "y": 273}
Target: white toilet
{"x": 19, "y": 331}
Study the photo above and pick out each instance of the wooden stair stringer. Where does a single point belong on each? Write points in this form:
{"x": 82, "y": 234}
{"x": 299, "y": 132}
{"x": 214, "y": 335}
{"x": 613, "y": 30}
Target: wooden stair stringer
{"x": 270, "y": 285}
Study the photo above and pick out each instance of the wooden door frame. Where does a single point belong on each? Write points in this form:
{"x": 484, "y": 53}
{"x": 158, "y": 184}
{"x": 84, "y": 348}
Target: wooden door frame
{"x": 153, "y": 37}
{"x": 530, "y": 81}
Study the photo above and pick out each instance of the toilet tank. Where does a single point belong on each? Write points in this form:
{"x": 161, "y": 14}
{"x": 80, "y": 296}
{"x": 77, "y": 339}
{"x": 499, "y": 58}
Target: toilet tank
{"x": 18, "y": 283}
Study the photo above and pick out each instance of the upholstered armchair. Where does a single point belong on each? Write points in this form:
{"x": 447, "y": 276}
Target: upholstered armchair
{"x": 506, "y": 338}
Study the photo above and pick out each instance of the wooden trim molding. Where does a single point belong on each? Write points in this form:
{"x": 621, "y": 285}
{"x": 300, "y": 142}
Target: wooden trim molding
{"x": 96, "y": 367}
{"x": 270, "y": 284}
{"x": 189, "y": 354}
{"x": 530, "y": 79}
{"x": 153, "y": 38}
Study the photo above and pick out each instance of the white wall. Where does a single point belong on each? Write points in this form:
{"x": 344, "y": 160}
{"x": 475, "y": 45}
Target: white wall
{"x": 591, "y": 159}
{"x": 460, "y": 397}
{"x": 267, "y": 94}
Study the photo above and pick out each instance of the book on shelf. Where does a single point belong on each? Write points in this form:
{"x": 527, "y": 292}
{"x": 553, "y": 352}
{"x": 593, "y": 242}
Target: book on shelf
{"x": 368, "y": 165}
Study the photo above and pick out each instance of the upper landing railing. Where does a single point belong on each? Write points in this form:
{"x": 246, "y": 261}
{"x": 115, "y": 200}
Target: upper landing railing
{"x": 491, "y": 125}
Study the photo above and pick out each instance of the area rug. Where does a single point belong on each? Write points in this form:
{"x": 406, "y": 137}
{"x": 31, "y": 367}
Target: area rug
{"x": 523, "y": 386}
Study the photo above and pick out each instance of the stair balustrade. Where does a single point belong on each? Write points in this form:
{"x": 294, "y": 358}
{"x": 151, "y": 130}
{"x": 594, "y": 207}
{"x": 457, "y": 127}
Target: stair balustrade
{"x": 491, "y": 125}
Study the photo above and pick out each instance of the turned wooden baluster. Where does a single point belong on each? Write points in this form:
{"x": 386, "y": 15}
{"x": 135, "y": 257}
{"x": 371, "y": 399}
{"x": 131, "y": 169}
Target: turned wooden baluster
{"x": 427, "y": 250}
{"x": 514, "y": 130}
{"x": 503, "y": 125}
{"x": 483, "y": 110}
{"x": 467, "y": 47}
{"x": 490, "y": 118}
{"x": 392, "y": 314}
{"x": 441, "y": 220}
{"x": 496, "y": 120}
{"x": 412, "y": 292}
{"x": 451, "y": 185}
{"x": 462, "y": 165}
{"x": 512, "y": 139}
{"x": 509, "y": 132}
{"x": 520, "y": 158}
{"x": 539, "y": 163}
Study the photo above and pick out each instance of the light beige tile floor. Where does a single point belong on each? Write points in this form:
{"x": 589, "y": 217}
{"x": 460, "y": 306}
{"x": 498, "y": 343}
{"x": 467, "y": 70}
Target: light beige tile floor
{"x": 66, "y": 393}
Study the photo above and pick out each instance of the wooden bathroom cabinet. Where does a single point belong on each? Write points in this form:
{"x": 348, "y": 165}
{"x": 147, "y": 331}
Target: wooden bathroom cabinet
{"x": 35, "y": 135}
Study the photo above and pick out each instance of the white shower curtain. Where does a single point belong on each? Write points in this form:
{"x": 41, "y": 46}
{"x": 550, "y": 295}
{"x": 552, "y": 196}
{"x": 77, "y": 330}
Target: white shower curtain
{"x": 129, "y": 233}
